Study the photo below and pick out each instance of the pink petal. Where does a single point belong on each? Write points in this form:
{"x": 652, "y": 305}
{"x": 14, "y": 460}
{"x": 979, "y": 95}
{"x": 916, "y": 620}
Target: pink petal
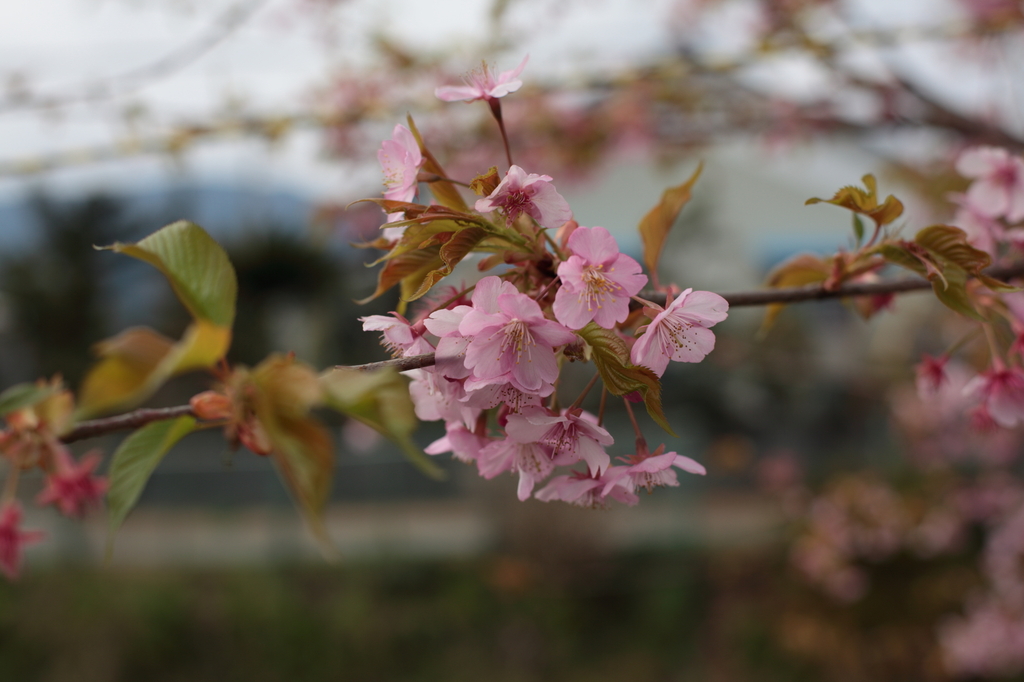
{"x": 594, "y": 244}
{"x": 458, "y": 93}
{"x": 981, "y": 161}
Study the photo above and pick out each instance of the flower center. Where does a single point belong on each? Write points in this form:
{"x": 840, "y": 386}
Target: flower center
{"x": 517, "y": 339}
{"x": 597, "y": 287}
{"x": 516, "y": 202}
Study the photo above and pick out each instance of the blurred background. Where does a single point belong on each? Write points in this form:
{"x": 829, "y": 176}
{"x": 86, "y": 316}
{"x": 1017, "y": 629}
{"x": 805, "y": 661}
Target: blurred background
{"x": 846, "y": 530}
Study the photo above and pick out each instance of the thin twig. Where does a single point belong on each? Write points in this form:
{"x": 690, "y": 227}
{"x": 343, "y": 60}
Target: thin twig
{"x": 129, "y": 420}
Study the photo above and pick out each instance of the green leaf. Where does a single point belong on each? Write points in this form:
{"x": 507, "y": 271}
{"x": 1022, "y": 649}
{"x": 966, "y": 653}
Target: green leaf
{"x": 379, "y": 399}
{"x": 196, "y": 266}
{"x": 858, "y": 228}
{"x": 655, "y": 226}
{"x": 134, "y": 462}
{"x": 865, "y": 202}
{"x": 620, "y": 376}
{"x": 951, "y": 289}
{"x": 20, "y": 396}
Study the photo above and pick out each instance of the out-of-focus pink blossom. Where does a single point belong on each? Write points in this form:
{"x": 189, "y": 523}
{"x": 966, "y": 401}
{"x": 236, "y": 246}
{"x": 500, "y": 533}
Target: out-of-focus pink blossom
{"x": 998, "y": 187}
{"x": 482, "y": 84}
{"x": 931, "y": 375}
{"x": 654, "y": 469}
{"x": 532, "y": 194}
{"x": 585, "y": 489}
{"x": 573, "y": 435}
{"x": 13, "y": 539}
{"x": 1001, "y": 391}
{"x": 72, "y": 486}
{"x": 515, "y": 343}
{"x": 987, "y": 642}
{"x": 533, "y": 461}
{"x": 983, "y": 231}
{"x": 680, "y": 331}
{"x": 597, "y": 280}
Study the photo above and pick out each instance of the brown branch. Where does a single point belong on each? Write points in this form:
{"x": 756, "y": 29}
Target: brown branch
{"x": 814, "y": 292}
{"x": 129, "y": 420}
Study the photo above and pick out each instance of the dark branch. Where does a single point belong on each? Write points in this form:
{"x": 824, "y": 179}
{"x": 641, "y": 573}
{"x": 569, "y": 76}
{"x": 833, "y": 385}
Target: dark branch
{"x": 129, "y": 420}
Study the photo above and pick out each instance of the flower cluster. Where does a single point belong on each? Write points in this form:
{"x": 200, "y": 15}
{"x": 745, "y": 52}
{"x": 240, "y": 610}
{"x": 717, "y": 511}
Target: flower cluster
{"x": 500, "y": 346}
{"x": 32, "y": 441}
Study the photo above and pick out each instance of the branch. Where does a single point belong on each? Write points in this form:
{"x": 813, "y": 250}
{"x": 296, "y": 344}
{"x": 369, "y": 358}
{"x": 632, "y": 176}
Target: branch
{"x": 129, "y": 420}
{"x": 814, "y": 292}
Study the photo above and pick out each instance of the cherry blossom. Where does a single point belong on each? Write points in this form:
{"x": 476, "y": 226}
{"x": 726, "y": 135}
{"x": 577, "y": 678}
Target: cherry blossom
{"x": 1001, "y": 391}
{"x": 73, "y": 487}
{"x": 573, "y": 435}
{"x": 998, "y": 188}
{"x": 482, "y": 84}
{"x": 398, "y": 335}
{"x": 587, "y": 490}
{"x": 515, "y": 344}
{"x": 12, "y": 539}
{"x": 532, "y": 194}
{"x": 533, "y": 461}
{"x": 680, "y": 331}
{"x": 931, "y": 375}
{"x": 597, "y": 280}
{"x": 464, "y": 445}
{"x": 400, "y": 158}
{"x": 653, "y": 469}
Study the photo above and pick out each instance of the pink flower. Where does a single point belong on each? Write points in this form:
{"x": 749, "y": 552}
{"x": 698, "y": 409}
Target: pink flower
{"x": 398, "y": 336}
{"x": 983, "y": 232}
{"x": 998, "y": 189}
{"x": 515, "y": 343}
{"x": 653, "y": 469}
{"x": 931, "y": 375}
{"x": 483, "y": 84}
{"x": 597, "y": 281}
{"x": 12, "y": 539}
{"x": 72, "y": 487}
{"x": 679, "y": 332}
{"x": 573, "y": 435}
{"x": 1002, "y": 393}
{"x": 533, "y": 461}
{"x": 586, "y": 490}
{"x": 531, "y": 194}
{"x": 464, "y": 445}
{"x": 400, "y": 157}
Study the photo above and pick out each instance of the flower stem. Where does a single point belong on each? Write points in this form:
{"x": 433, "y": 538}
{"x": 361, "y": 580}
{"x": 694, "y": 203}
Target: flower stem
{"x": 604, "y": 403}
{"x": 496, "y": 111}
{"x": 632, "y": 420}
{"x": 579, "y": 401}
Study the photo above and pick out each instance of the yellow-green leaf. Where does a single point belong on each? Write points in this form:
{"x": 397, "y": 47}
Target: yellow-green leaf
{"x": 196, "y": 266}
{"x": 380, "y": 400}
{"x": 655, "y": 226}
{"x": 620, "y": 377}
{"x": 865, "y": 202}
{"x": 138, "y": 361}
{"x": 133, "y": 463}
{"x": 798, "y": 271}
